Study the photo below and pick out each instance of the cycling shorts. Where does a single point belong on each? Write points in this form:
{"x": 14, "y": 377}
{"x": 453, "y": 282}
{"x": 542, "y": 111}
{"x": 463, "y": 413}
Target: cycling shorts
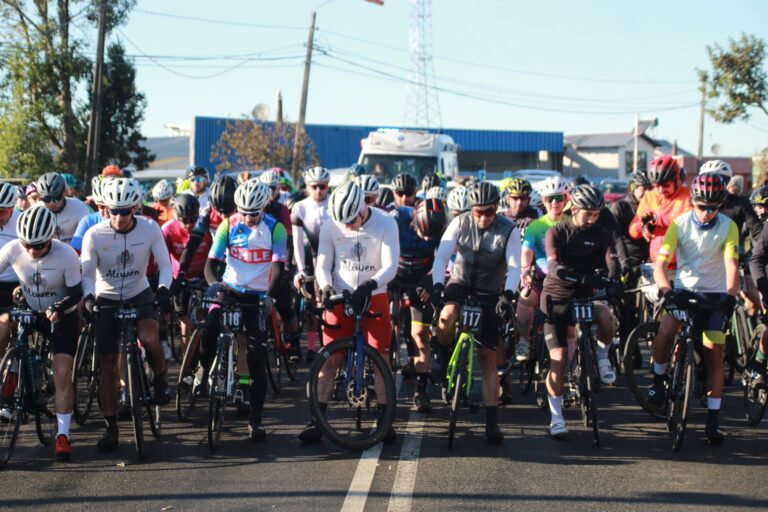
{"x": 108, "y": 327}
{"x": 378, "y": 331}
{"x": 491, "y": 323}
{"x": 712, "y": 324}
{"x": 6, "y": 294}
{"x": 63, "y": 339}
{"x": 421, "y": 312}
{"x": 557, "y": 324}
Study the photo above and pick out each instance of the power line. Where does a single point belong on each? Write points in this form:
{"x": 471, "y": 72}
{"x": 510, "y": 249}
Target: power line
{"x": 221, "y": 22}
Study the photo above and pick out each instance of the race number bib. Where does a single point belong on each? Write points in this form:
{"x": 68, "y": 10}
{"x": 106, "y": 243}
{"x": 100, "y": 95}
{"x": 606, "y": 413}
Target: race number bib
{"x": 472, "y": 319}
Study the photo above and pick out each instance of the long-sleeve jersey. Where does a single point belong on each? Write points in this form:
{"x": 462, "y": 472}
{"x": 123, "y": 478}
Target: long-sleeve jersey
{"x": 67, "y": 218}
{"x": 623, "y": 211}
{"x": 115, "y": 264}
{"x": 8, "y": 235}
{"x": 307, "y": 218}
{"x": 83, "y": 226}
{"x": 347, "y": 258}
{"x": 678, "y": 204}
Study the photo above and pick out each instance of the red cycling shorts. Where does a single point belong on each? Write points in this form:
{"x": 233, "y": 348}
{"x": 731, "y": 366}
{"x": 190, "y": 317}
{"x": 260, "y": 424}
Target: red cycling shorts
{"x": 376, "y": 330}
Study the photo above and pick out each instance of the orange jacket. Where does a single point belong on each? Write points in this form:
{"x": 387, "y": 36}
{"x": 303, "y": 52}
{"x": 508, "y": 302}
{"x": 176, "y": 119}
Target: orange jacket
{"x": 672, "y": 208}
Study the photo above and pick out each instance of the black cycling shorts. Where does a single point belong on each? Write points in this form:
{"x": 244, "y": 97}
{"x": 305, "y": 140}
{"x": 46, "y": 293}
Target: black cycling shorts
{"x": 556, "y": 327}
{"x": 108, "y": 327}
{"x": 63, "y": 339}
{"x": 6, "y": 294}
{"x": 489, "y": 331}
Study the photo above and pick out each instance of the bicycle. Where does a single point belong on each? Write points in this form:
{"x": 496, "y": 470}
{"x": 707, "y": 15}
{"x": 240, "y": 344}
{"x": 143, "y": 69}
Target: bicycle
{"x": 278, "y": 355}
{"x": 85, "y": 374}
{"x": 401, "y": 333}
{"x": 26, "y": 383}
{"x": 755, "y": 393}
{"x": 739, "y": 334}
{"x": 355, "y": 416}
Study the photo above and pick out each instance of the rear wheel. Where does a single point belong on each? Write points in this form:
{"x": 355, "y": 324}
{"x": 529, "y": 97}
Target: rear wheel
{"x": 85, "y": 376}
{"x": 755, "y": 395}
{"x": 190, "y": 369}
{"x": 638, "y": 365}
{"x": 12, "y": 393}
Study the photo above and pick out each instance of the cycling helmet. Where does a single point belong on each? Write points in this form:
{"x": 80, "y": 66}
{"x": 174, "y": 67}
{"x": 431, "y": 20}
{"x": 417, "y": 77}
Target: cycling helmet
{"x": 458, "y": 199}
{"x": 8, "y": 195}
{"x": 483, "y": 193}
{"x": 386, "y": 197}
{"x": 535, "y": 198}
{"x": 96, "y": 182}
{"x": 552, "y": 186}
{"x": 436, "y": 193}
{"x": 357, "y": 170}
{"x": 293, "y": 198}
{"x": 404, "y": 183}
{"x": 162, "y": 190}
{"x": 519, "y": 187}
{"x": 270, "y": 178}
{"x": 285, "y": 178}
{"x": 127, "y": 172}
{"x": 759, "y": 196}
{"x": 663, "y": 169}
{"x": 70, "y": 180}
{"x": 253, "y": 195}
{"x": 121, "y": 193}
{"x": 709, "y": 188}
{"x": 222, "y": 195}
{"x": 369, "y": 184}
{"x": 186, "y": 206}
{"x": 346, "y": 202}
{"x": 579, "y": 180}
{"x": 317, "y": 175}
{"x": 639, "y": 179}
{"x": 429, "y": 218}
{"x": 112, "y": 170}
{"x": 587, "y": 197}
{"x": 717, "y": 167}
{"x": 36, "y": 225}
{"x": 51, "y": 184}
{"x": 196, "y": 170}
{"x": 431, "y": 180}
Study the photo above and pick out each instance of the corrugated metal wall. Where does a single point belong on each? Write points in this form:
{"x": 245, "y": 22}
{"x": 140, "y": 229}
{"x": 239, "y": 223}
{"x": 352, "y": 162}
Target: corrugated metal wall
{"x": 339, "y": 146}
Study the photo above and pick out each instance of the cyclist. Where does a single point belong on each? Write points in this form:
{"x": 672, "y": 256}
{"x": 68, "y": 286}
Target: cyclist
{"x": 436, "y": 193}
{"x": 577, "y": 245}
{"x": 49, "y": 272}
{"x": 759, "y": 201}
{"x": 706, "y": 246}
{"x": 163, "y": 193}
{"x": 67, "y": 210}
{"x": 386, "y": 199}
{"x": 419, "y": 231}
{"x": 90, "y": 220}
{"x": 8, "y": 279}
{"x": 518, "y": 198}
{"x": 533, "y": 258}
{"x": 458, "y": 201}
{"x": 429, "y": 181}
{"x": 198, "y": 184}
{"x": 357, "y": 252}
{"x": 404, "y": 186}
{"x": 487, "y": 246}
{"x": 114, "y": 261}
{"x": 307, "y": 217}
{"x": 370, "y": 186}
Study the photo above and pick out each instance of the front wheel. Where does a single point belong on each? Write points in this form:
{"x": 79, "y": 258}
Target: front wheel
{"x": 217, "y": 389}
{"x": 680, "y": 391}
{"x": 134, "y": 390}
{"x": 638, "y": 365}
{"x": 459, "y": 382}
{"x": 12, "y": 395}
{"x": 274, "y": 366}
{"x": 362, "y": 412}
{"x": 85, "y": 375}
{"x": 190, "y": 366}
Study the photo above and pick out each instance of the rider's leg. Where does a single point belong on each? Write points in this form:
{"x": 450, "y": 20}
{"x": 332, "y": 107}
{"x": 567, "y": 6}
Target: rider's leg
{"x": 606, "y": 328}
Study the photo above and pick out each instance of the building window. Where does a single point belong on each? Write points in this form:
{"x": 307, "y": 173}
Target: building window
{"x": 642, "y": 160}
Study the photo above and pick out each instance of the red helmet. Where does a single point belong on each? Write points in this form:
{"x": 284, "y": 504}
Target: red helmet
{"x": 663, "y": 169}
{"x": 708, "y": 188}
{"x": 429, "y": 218}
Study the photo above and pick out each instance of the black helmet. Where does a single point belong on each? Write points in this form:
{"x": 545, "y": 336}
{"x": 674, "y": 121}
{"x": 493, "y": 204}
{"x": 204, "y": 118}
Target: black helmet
{"x": 579, "y": 180}
{"x": 431, "y": 180}
{"x": 759, "y": 196}
{"x": 640, "y": 179}
{"x": 587, "y": 197}
{"x": 51, "y": 184}
{"x": 196, "y": 170}
{"x": 709, "y": 188}
{"x": 186, "y": 206}
{"x": 404, "y": 183}
{"x": 429, "y": 218}
{"x": 293, "y": 198}
{"x": 663, "y": 169}
{"x": 386, "y": 197}
{"x": 483, "y": 193}
{"x": 223, "y": 194}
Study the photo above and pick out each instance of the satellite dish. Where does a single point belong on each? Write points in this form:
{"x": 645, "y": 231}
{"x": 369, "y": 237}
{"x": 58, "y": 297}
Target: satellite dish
{"x": 716, "y": 149}
{"x": 262, "y": 112}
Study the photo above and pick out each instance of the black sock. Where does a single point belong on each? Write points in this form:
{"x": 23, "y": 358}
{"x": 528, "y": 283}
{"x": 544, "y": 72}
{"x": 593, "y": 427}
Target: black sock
{"x": 323, "y": 407}
{"x": 713, "y": 416}
{"x": 422, "y": 379}
{"x": 491, "y": 414}
{"x": 111, "y": 421}
{"x": 659, "y": 379}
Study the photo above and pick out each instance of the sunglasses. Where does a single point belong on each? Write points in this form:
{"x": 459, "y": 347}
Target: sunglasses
{"x": 486, "y": 212}
{"x": 199, "y": 179}
{"x": 370, "y": 199}
{"x": 52, "y": 199}
{"x": 557, "y": 198}
{"x": 318, "y": 187}
{"x": 121, "y": 211}
{"x": 707, "y": 208}
{"x": 254, "y": 215}
{"x": 35, "y": 247}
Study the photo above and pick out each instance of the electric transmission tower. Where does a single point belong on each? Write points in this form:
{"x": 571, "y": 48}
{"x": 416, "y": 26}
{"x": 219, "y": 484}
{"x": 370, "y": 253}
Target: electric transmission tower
{"x": 422, "y": 107}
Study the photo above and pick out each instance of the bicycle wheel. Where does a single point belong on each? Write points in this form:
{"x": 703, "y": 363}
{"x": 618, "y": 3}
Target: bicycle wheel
{"x": 12, "y": 392}
{"x": 589, "y": 386}
{"x": 46, "y": 423}
{"x": 190, "y": 366}
{"x": 174, "y": 337}
{"x": 85, "y": 375}
{"x": 638, "y": 365}
{"x": 217, "y": 394}
{"x": 680, "y": 390}
{"x": 274, "y": 368}
{"x": 132, "y": 363}
{"x": 362, "y": 413}
{"x": 153, "y": 409}
{"x": 755, "y": 395}
{"x": 743, "y": 336}
{"x": 459, "y": 382}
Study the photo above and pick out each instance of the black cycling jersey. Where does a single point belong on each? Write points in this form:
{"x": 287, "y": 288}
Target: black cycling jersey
{"x": 623, "y": 212}
{"x": 522, "y": 220}
{"x": 740, "y": 211}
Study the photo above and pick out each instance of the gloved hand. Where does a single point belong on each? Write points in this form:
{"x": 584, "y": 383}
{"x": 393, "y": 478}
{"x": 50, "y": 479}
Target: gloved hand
{"x": 670, "y": 302}
{"x": 436, "y": 297}
{"x": 164, "y": 299}
{"x": 177, "y": 283}
{"x": 729, "y": 305}
{"x": 89, "y": 304}
{"x": 325, "y": 297}
{"x": 504, "y": 308}
{"x": 361, "y": 296}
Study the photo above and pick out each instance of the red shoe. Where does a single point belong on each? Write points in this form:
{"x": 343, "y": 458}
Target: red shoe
{"x": 63, "y": 448}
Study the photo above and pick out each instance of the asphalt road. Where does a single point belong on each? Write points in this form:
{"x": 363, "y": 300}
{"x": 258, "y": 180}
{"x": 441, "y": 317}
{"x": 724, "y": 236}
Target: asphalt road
{"x": 634, "y": 469}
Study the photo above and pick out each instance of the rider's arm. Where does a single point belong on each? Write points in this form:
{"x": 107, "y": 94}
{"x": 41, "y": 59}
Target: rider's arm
{"x": 445, "y": 250}
{"x": 89, "y": 261}
{"x": 73, "y": 282}
{"x": 162, "y": 258}
{"x": 279, "y": 250}
{"x": 77, "y": 239}
{"x": 665, "y": 255}
{"x": 390, "y": 253}
{"x": 609, "y": 222}
{"x": 636, "y": 225}
{"x": 298, "y": 241}
{"x": 513, "y": 265}
{"x": 753, "y": 224}
{"x": 731, "y": 255}
{"x": 216, "y": 256}
{"x": 195, "y": 239}
{"x": 325, "y": 253}
{"x": 760, "y": 260}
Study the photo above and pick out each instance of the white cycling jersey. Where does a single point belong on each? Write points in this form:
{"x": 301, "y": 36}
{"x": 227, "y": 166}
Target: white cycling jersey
{"x": 346, "y": 258}
{"x": 45, "y": 280}
{"x": 203, "y": 198}
{"x": 115, "y": 264}
{"x": 68, "y": 218}
{"x": 7, "y": 235}
{"x": 307, "y": 218}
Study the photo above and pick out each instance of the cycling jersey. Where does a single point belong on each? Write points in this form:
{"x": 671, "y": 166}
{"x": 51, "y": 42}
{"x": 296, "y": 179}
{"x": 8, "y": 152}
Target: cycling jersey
{"x": 115, "y": 264}
{"x": 249, "y": 252}
{"x": 483, "y": 256}
{"x": 7, "y": 235}
{"x": 346, "y": 258}
{"x": 45, "y": 280}
{"x": 523, "y": 219}
{"x": 176, "y": 239}
{"x": 203, "y": 198}
{"x": 739, "y": 210}
{"x": 535, "y": 236}
{"x": 307, "y": 218}
{"x": 623, "y": 211}
{"x": 67, "y": 218}
{"x": 678, "y": 203}
{"x": 700, "y": 252}
{"x": 416, "y": 254}
{"x": 83, "y": 226}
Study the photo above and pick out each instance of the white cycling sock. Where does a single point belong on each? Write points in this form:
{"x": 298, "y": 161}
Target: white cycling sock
{"x": 63, "y": 420}
{"x": 713, "y": 404}
{"x": 659, "y": 368}
{"x": 602, "y": 350}
{"x": 556, "y": 407}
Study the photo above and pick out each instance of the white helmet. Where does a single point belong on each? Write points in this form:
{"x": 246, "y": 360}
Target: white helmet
{"x": 346, "y": 202}
{"x": 317, "y": 175}
{"x": 458, "y": 199}
{"x": 368, "y": 183}
{"x": 552, "y": 186}
{"x": 436, "y": 193}
{"x": 36, "y": 225}
{"x": 717, "y": 167}
{"x": 121, "y": 193}
{"x": 8, "y": 195}
{"x": 270, "y": 178}
{"x": 252, "y": 196}
{"x": 162, "y": 190}
{"x": 96, "y": 184}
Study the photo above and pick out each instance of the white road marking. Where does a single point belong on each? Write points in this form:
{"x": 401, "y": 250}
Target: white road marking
{"x": 361, "y": 483}
{"x": 405, "y": 479}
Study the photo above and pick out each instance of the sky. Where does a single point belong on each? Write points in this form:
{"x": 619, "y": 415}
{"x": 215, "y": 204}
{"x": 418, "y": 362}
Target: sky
{"x": 573, "y": 67}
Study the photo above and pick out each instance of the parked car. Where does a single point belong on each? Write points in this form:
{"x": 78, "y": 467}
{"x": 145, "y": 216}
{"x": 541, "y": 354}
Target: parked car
{"x": 613, "y": 189}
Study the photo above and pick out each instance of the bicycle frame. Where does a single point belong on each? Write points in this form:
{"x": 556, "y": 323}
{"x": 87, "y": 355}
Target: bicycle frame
{"x": 31, "y": 359}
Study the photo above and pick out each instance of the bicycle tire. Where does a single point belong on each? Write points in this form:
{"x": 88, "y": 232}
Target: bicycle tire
{"x": 526, "y": 373}
{"x": 85, "y": 375}
{"x": 9, "y": 431}
{"x": 637, "y": 365}
{"x": 217, "y": 397}
{"x": 589, "y": 383}
{"x": 46, "y": 423}
{"x": 365, "y": 438}
{"x": 755, "y": 397}
{"x": 743, "y": 338}
{"x": 458, "y": 382}
{"x": 185, "y": 399}
{"x": 681, "y": 390}
{"x": 134, "y": 391}
{"x": 273, "y": 366}
{"x": 174, "y": 330}
{"x": 153, "y": 410}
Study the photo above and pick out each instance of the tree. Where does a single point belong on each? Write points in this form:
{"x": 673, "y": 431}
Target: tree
{"x": 737, "y": 81}
{"x": 248, "y": 144}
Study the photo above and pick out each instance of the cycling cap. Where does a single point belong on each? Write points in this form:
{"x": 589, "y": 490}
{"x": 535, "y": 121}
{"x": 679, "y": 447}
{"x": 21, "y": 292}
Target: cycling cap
{"x": 663, "y": 169}
{"x": 317, "y": 175}
{"x": 162, "y": 190}
{"x": 587, "y": 197}
{"x": 708, "y": 188}
{"x": 429, "y": 218}
{"x": 223, "y": 194}
{"x": 346, "y": 202}
{"x": 51, "y": 184}
{"x": 483, "y": 193}
{"x": 36, "y": 225}
{"x": 253, "y": 195}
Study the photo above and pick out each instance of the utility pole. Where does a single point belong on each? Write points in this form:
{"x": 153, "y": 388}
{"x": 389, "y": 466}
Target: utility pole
{"x": 279, "y": 107}
{"x": 94, "y": 127}
{"x": 303, "y": 107}
{"x": 700, "y": 150}
{"x": 636, "y": 149}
